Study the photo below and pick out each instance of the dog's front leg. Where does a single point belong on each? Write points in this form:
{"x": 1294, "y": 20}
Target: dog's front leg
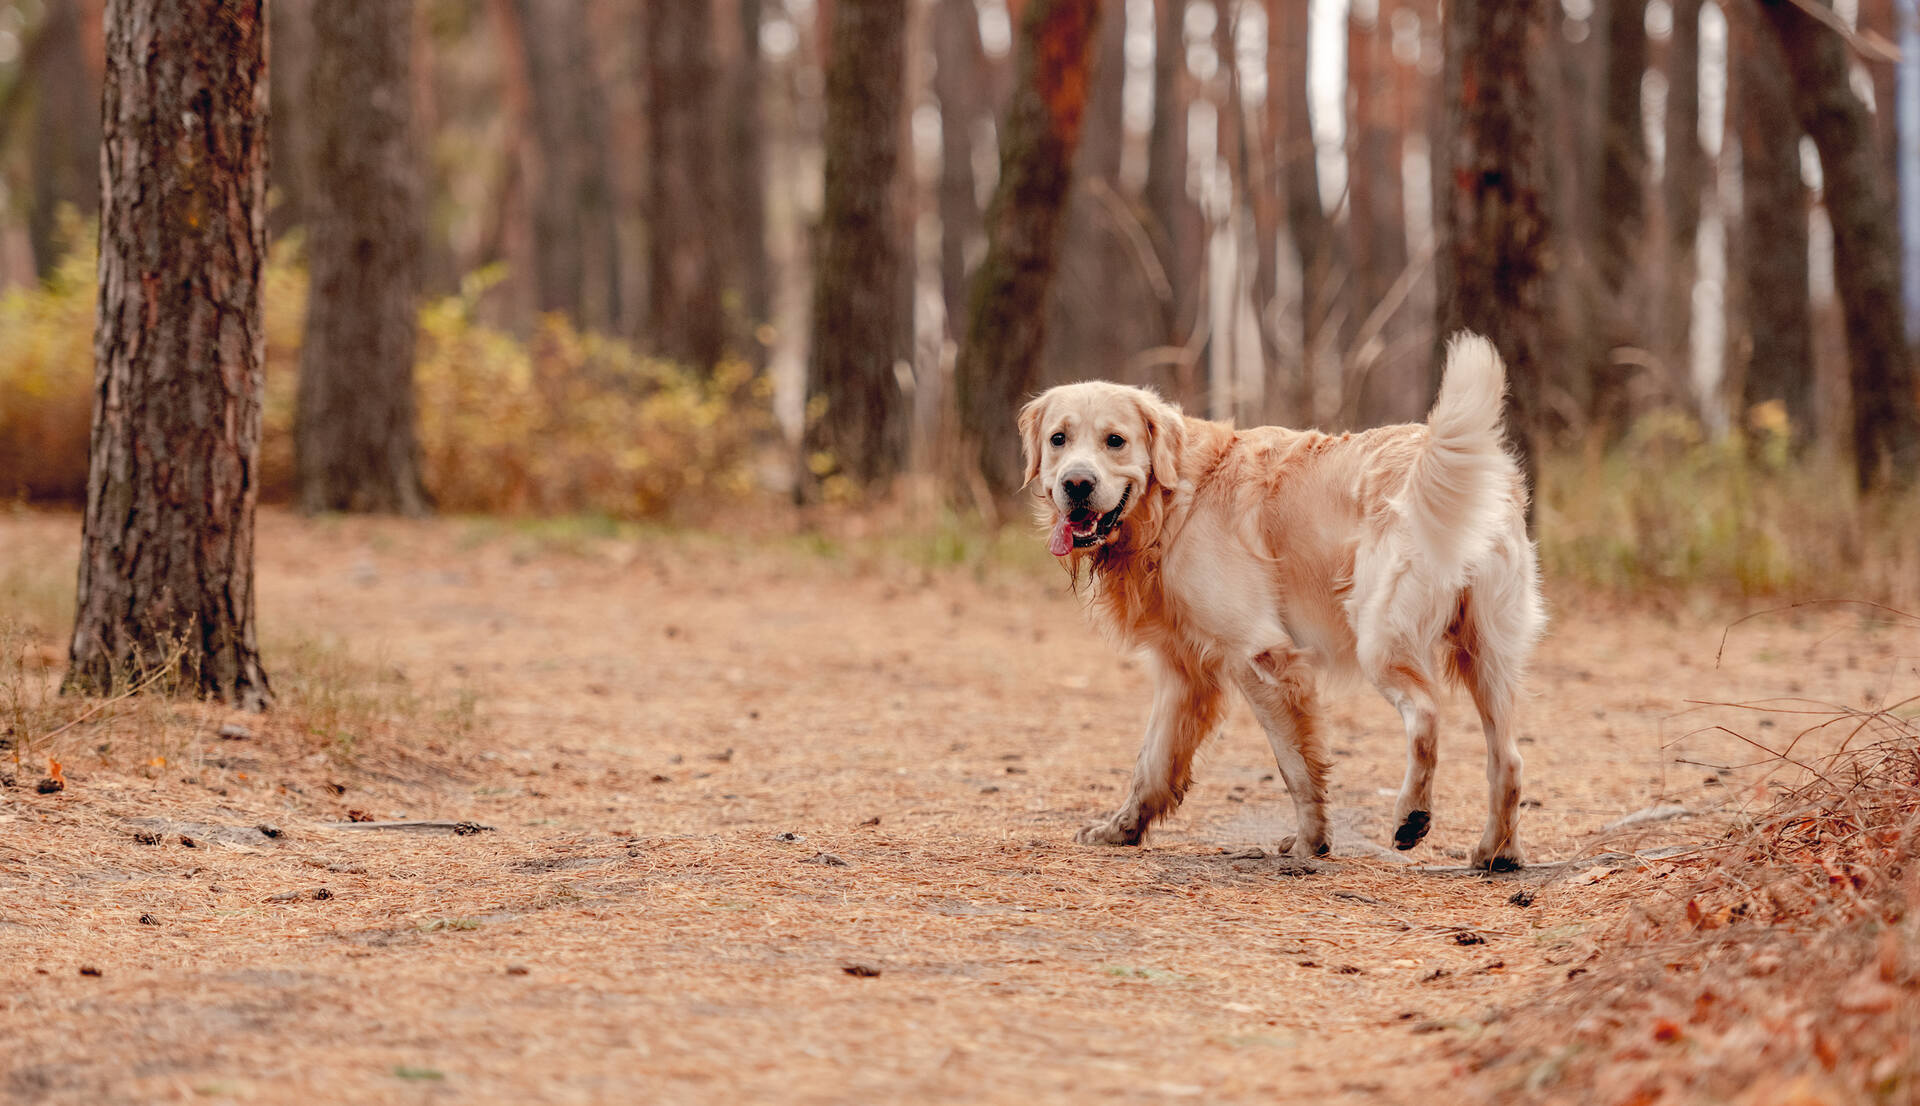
{"x": 1187, "y": 705}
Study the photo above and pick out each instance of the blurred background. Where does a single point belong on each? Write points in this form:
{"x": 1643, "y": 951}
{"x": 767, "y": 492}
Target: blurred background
{"x": 620, "y": 205}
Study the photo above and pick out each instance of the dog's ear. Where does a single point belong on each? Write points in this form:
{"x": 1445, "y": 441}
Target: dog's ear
{"x": 1167, "y": 437}
{"x": 1030, "y": 436}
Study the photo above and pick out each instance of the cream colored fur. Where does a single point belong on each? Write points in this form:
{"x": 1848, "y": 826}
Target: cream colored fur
{"x": 1270, "y": 560}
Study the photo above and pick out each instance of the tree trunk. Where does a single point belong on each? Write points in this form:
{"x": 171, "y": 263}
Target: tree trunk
{"x": 1287, "y": 60}
{"x": 1866, "y": 246}
{"x": 1180, "y": 235}
{"x": 960, "y": 77}
{"x": 747, "y": 175}
{"x": 1377, "y": 225}
{"x": 576, "y": 261}
{"x": 1006, "y": 318}
{"x": 355, "y": 447}
{"x": 1878, "y": 18}
{"x": 863, "y": 428}
{"x": 290, "y": 27}
{"x": 1779, "y": 315}
{"x": 1684, "y": 179}
{"x": 66, "y": 133}
{"x": 166, "y": 562}
{"x": 1907, "y": 180}
{"x": 1495, "y": 245}
{"x": 684, "y": 186}
{"x": 1097, "y": 304}
{"x": 1620, "y": 203}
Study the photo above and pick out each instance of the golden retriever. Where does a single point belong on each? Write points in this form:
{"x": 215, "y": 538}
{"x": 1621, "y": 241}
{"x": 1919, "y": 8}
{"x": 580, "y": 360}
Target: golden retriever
{"x": 1272, "y": 559}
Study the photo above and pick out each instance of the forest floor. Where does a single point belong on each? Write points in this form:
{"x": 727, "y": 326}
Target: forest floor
{"x": 792, "y": 820}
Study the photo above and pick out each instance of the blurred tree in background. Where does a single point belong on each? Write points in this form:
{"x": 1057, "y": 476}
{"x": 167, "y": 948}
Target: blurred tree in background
{"x": 1244, "y": 203}
{"x": 355, "y": 441}
{"x": 860, "y": 431}
{"x": 1006, "y": 311}
{"x": 1496, "y": 245}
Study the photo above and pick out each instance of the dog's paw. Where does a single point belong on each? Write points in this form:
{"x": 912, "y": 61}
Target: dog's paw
{"x": 1413, "y": 829}
{"x": 1110, "y": 831}
{"x": 1295, "y": 846}
{"x": 1505, "y": 858}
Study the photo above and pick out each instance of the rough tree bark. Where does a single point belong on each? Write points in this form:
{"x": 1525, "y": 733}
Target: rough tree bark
{"x": 66, "y": 132}
{"x": 166, "y": 559}
{"x": 1779, "y": 315}
{"x": 684, "y": 186}
{"x": 1866, "y": 246}
{"x": 855, "y": 321}
{"x": 1494, "y": 251}
{"x": 354, "y": 444}
{"x": 1006, "y": 319}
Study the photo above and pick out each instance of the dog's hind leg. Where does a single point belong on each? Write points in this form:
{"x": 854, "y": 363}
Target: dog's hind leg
{"x": 1280, "y": 691}
{"x": 1488, "y": 648}
{"x": 1187, "y": 705}
{"x": 1412, "y": 695}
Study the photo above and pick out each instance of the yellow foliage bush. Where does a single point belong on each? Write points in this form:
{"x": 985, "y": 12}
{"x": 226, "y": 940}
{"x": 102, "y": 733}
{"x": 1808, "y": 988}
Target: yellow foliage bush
{"x": 562, "y": 422}
{"x": 571, "y": 421}
{"x": 46, "y": 383}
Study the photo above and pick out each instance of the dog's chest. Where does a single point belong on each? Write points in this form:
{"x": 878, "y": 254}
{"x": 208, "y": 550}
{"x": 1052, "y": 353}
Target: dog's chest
{"x": 1220, "y": 592}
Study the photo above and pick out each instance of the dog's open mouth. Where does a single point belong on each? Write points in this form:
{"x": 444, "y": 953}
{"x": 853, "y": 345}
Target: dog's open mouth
{"x": 1082, "y": 527}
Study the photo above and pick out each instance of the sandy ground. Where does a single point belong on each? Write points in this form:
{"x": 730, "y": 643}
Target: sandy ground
{"x": 723, "y": 778}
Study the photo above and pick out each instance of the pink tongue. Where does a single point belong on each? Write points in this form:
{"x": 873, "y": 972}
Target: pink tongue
{"x": 1060, "y": 542}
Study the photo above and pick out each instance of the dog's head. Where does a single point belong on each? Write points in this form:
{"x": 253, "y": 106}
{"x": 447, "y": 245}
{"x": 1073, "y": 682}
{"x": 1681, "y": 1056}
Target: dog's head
{"x": 1099, "y": 451}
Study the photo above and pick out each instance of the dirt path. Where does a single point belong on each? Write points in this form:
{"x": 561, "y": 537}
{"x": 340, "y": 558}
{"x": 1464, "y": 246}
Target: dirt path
{"x": 717, "y": 779}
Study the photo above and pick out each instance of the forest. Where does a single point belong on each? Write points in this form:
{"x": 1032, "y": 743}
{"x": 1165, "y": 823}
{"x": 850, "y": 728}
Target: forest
{"x": 558, "y": 612}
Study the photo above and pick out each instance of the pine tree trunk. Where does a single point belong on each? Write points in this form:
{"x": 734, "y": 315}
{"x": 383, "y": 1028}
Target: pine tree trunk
{"x": 1779, "y": 315}
{"x": 1006, "y": 316}
{"x": 355, "y": 447}
{"x": 1866, "y": 246}
{"x": 66, "y": 133}
{"x": 166, "y": 562}
{"x": 1491, "y": 216}
{"x": 684, "y": 186}
{"x": 855, "y": 322}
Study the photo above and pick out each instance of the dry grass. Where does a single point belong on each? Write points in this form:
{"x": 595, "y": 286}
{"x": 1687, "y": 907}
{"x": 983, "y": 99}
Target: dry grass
{"x": 673, "y": 736}
{"x": 1775, "y": 964}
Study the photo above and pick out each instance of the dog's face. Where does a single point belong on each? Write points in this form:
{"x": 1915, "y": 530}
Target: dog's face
{"x": 1096, "y": 448}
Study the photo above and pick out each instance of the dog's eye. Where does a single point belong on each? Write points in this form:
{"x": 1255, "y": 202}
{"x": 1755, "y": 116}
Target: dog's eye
{"x": 1115, "y": 441}
{"x": 1059, "y": 439}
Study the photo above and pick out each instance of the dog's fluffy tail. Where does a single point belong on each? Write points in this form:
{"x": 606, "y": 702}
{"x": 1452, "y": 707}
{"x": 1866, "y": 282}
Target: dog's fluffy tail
{"x": 1455, "y": 499}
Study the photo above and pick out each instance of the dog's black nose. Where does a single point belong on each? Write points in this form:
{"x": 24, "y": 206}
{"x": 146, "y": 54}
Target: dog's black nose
{"x": 1078, "y": 486}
